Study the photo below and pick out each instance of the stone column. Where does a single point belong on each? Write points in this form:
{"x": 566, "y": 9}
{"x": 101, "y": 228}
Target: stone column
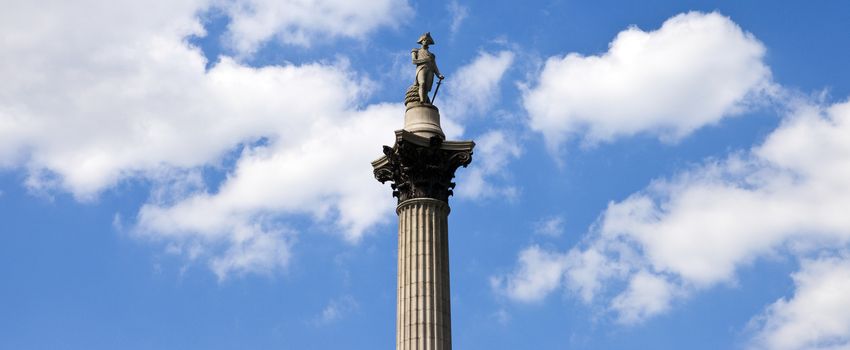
{"x": 421, "y": 166}
{"x": 424, "y": 303}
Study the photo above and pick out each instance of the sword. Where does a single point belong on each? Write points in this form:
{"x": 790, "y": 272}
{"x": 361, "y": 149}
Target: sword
{"x": 436, "y": 90}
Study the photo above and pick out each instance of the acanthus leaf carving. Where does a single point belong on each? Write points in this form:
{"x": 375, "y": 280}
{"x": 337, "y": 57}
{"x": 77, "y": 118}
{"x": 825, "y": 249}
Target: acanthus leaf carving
{"x": 422, "y": 171}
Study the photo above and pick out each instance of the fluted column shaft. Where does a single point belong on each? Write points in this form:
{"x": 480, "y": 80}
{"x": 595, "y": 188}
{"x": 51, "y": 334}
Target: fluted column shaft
{"x": 424, "y": 308}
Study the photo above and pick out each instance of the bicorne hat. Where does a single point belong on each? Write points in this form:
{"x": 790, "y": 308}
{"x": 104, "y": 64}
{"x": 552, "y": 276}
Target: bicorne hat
{"x": 426, "y": 38}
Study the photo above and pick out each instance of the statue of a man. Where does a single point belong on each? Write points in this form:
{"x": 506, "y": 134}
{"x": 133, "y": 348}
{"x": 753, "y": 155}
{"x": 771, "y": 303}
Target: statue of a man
{"x": 426, "y": 67}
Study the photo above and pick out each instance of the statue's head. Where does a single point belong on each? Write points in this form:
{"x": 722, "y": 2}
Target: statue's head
{"x": 426, "y": 39}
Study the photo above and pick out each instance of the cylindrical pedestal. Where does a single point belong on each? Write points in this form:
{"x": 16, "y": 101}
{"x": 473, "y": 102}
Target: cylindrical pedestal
{"x": 423, "y": 120}
{"x": 424, "y": 307}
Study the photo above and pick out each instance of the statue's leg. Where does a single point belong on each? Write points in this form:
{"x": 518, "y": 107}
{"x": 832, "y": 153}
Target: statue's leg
{"x": 423, "y": 88}
{"x": 429, "y": 81}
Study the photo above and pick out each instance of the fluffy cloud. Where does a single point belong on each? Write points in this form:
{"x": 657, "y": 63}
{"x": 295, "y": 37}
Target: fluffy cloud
{"x": 93, "y": 106}
{"x": 692, "y": 232}
{"x": 817, "y": 316}
{"x": 282, "y": 177}
{"x": 300, "y": 22}
{"x": 474, "y": 88}
{"x": 647, "y": 294}
{"x": 539, "y": 273}
{"x": 695, "y": 70}
{"x": 124, "y": 96}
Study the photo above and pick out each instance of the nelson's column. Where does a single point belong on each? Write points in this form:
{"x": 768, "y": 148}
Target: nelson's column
{"x": 421, "y": 165}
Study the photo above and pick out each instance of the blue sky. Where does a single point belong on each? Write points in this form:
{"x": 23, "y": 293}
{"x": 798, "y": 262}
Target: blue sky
{"x": 195, "y": 174}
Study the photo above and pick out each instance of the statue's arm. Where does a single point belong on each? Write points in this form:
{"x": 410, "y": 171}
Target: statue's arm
{"x": 414, "y": 54}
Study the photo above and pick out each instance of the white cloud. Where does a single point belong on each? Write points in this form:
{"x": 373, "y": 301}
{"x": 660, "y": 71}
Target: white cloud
{"x": 539, "y": 273}
{"x": 586, "y": 271}
{"x": 474, "y": 88}
{"x": 252, "y": 250}
{"x": 817, "y": 316}
{"x": 646, "y": 295}
{"x": 299, "y": 22}
{"x": 309, "y": 177}
{"x": 458, "y": 14}
{"x": 493, "y": 152}
{"x": 93, "y": 106}
{"x": 124, "y": 96}
{"x": 695, "y": 70}
{"x": 707, "y": 222}
{"x": 694, "y": 231}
